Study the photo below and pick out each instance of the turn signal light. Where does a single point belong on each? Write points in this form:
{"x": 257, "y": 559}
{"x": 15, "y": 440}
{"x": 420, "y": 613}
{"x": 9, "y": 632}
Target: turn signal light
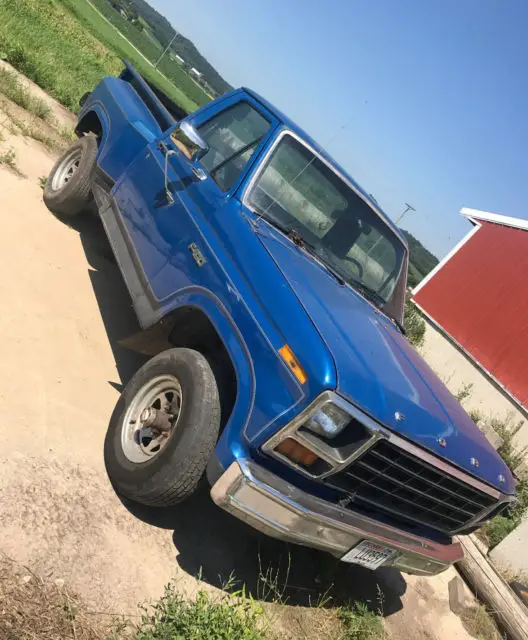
{"x": 292, "y": 362}
{"x": 296, "y": 452}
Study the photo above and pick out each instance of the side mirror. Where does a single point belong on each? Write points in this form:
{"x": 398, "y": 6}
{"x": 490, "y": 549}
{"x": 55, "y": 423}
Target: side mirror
{"x": 189, "y": 141}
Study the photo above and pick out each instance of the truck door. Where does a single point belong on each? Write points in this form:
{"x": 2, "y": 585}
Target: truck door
{"x": 162, "y": 230}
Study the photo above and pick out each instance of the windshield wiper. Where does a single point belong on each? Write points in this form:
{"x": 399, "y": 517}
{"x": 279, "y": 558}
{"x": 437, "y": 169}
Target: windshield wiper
{"x": 320, "y": 255}
{"x": 380, "y": 303}
{"x": 369, "y": 293}
{"x": 299, "y": 241}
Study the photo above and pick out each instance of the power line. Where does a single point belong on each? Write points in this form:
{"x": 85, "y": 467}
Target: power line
{"x": 166, "y": 49}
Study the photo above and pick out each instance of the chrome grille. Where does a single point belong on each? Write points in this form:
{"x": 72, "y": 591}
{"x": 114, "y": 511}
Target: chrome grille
{"x": 392, "y": 480}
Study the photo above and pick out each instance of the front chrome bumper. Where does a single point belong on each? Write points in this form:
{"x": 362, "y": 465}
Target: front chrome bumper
{"x": 275, "y": 507}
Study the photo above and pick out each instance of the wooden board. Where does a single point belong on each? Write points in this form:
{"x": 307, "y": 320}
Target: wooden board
{"x": 490, "y": 587}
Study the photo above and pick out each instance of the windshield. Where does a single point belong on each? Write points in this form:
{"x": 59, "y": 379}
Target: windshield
{"x": 300, "y": 192}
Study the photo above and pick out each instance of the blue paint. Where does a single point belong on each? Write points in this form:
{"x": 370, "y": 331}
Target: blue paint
{"x": 261, "y": 291}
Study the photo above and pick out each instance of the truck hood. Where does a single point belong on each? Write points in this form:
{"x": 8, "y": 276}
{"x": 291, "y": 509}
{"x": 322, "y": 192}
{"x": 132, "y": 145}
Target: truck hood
{"x": 380, "y": 372}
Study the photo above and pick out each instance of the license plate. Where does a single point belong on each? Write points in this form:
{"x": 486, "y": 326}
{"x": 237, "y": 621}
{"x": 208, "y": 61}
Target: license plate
{"x": 369, "y": 554}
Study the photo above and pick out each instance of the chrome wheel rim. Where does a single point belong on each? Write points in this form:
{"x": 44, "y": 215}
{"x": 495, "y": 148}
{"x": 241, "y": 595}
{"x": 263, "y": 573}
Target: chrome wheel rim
{"x": 66, "y": 170}
{"x": 151, "y": 419}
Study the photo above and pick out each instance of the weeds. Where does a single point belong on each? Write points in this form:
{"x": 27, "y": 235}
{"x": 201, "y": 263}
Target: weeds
{"x": 32, "y": 608}
{"x": 475, "y": 415}
{"x": 414, "y": 325}
{"x": 66, "y": 133}
{"x": 229, "y": 617}
{"x": 496, "y": 529}
{"x": 464, "y": 393}
{"x": 8, "y": 159}
{"x": 12, "y": 88}
{"x": 479, "y": 623}
{"x": 360, "y": 623}
{"x": 18, "y": 126}
{"x": 43, "y": 181}
{"x": 270, "y": 586}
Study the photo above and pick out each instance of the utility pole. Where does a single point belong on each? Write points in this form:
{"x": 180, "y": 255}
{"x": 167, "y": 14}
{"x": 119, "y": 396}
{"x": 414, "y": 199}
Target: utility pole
{"x": 408, "y": 209}
{"x": 166, "y": 49}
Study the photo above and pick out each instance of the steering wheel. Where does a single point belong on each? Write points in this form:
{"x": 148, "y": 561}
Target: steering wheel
{"x": 356, "y": 264}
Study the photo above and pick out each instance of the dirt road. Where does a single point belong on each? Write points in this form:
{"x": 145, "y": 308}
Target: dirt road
{"x": 64, "y": 307}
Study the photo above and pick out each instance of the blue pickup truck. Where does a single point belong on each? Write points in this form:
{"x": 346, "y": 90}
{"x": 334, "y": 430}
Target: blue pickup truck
{"x": 270, "y": 289}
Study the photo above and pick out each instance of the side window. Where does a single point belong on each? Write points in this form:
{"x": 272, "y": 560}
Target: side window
{"x": 233, "y": 136}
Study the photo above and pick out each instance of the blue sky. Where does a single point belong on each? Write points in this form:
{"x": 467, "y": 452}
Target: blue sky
{"x": 422, "y": 101}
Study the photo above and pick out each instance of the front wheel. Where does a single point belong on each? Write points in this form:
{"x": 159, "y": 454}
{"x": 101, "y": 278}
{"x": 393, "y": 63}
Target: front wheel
{"x": 164, "y": 429}
{"x": 68, "y": 190}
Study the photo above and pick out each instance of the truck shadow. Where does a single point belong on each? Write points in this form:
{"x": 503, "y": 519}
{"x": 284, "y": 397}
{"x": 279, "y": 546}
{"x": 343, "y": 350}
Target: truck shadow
{"x": 227, "y": 554}
{"x": 112, "y": 296}
{"x": 208, "y": 542}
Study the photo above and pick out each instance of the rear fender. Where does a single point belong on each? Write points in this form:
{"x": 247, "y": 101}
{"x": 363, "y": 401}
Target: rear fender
{"x": 127, "y": 125}
{"x": 94, "y": 119}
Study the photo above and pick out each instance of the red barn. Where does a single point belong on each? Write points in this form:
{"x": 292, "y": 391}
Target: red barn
{"x": 478, "y": 296}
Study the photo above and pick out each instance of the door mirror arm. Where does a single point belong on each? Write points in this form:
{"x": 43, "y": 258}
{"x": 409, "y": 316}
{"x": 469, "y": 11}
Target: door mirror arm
{"x": 170, "y": 197}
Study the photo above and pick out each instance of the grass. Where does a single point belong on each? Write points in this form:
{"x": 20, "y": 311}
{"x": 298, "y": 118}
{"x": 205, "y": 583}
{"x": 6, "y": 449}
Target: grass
{"x": 359, "y": 623}
{"x": 414, "y": 325}
{"x": 229, "y": 617}
{"x": 13, "y": 89}
{"x": 496, "y": 529}
{"x": 464, "y": 393}
{"x": 34, "y": 608}
{"x": 479, "y": 623}
{"x": 33, "y": 129}
{"x": 95, "y": 24}
{"x": 67, "y": 47}
{"x": 43, "y": 40}
{"x": 8, "y": 159}
{"x": 138, "y": 39}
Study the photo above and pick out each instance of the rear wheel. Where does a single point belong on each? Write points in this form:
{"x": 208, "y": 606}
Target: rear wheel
{"x": 164, "y": 429}
{"x": 68, "y": 190}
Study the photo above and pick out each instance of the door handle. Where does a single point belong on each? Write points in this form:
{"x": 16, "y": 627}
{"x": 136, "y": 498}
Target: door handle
{"x": 199, "y": 173}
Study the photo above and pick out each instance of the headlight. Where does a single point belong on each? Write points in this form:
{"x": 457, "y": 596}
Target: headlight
{"x": 328, "y": 421}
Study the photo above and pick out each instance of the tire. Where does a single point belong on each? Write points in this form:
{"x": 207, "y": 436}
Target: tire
{"x": 170, "y": 475}
{"x": 68, "y": 190}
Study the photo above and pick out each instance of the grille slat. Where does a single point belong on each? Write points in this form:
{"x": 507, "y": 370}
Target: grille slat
{"x": 394, "y": 463}
{"x": 413, "y": 506}
{"x": 410, "y": 489}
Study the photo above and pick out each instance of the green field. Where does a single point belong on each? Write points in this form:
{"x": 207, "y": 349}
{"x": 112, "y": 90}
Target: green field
{"x": 67, "y": 53}
{"x": 132, "y": 40}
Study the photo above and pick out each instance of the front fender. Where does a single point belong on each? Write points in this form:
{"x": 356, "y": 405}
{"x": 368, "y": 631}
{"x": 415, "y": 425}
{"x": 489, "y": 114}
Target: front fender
{"x": 266, "y": 390}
